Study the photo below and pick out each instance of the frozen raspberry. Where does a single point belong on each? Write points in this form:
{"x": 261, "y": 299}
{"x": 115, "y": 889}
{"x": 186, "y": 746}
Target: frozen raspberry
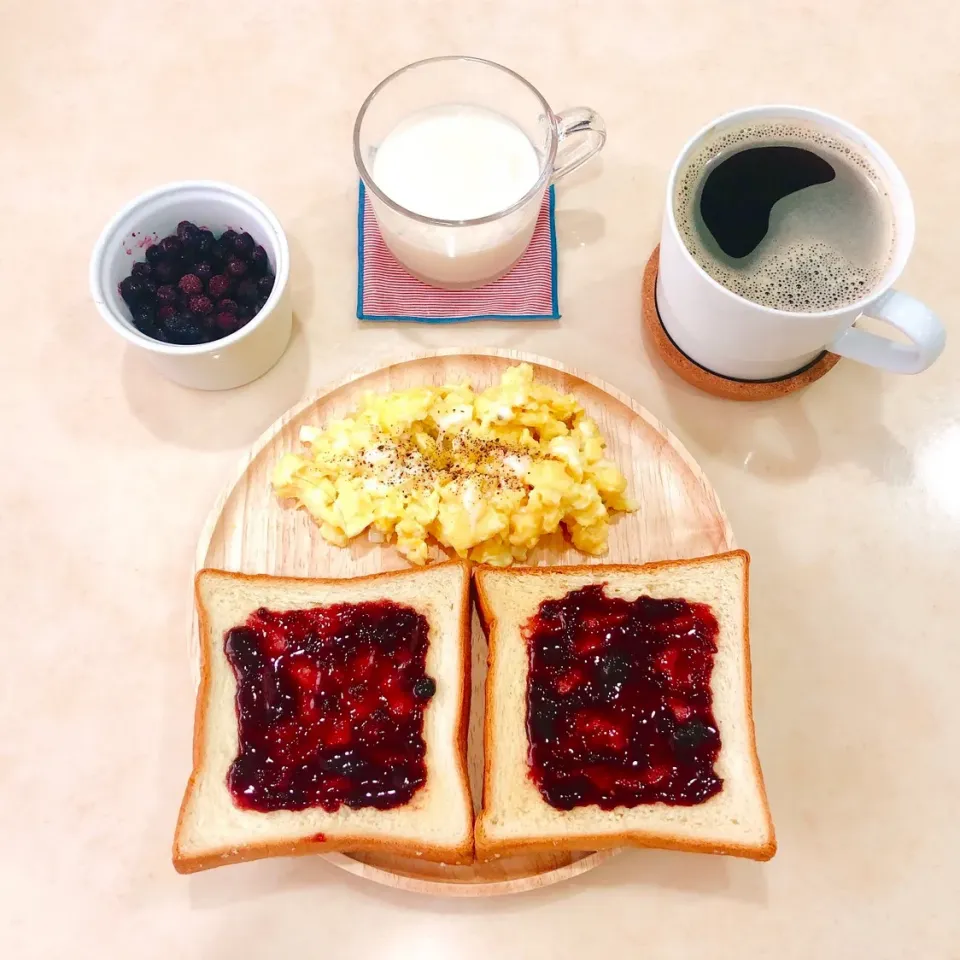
{"x": 226, "y": 305}
{"x": 218, "y": 285}
{"x": 226, "y": 322}
{"x": 200, "y": 305}
{"x": 190, "y": 284}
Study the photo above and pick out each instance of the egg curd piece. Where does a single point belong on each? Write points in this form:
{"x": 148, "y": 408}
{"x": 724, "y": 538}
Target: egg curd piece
{"x": 485, "y": 474}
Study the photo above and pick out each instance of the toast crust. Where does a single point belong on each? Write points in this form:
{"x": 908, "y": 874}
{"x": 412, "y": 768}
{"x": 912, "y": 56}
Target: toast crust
{"x": 487, "y": 848}
{"x": 461, "y": 854}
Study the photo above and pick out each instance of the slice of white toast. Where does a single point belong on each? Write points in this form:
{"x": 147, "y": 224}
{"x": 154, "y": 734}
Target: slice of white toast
{"x": 516, "y": 818}
{"x": 437, "y": 821}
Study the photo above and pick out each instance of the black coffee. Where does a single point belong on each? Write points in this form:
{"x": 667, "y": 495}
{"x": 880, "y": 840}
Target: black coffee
{"x": 786, "y": 215}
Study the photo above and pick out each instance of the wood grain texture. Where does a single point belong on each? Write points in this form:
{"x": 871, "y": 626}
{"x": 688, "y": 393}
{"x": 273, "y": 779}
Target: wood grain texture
{"x": 249, "y": 530}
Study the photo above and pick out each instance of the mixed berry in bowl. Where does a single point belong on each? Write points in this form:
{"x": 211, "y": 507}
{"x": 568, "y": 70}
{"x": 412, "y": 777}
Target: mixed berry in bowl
{"x": 196, "y": 287}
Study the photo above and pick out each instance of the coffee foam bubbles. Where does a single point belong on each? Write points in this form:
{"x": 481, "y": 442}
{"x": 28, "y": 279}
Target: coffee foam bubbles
{"x": 806, "y": 274}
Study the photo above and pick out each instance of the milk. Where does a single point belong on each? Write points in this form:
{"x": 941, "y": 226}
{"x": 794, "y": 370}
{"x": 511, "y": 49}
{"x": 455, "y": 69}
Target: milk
{"x": 457, "y": 162}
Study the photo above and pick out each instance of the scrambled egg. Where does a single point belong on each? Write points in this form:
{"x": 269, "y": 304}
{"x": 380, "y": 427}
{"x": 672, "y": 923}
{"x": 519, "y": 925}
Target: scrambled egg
{"x": 487, "y": 474}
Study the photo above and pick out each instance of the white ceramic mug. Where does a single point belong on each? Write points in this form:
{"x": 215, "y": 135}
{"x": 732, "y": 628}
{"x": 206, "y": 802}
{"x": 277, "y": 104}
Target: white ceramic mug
{"x": 233, "y": 360}
{"x": 736, "y": 338}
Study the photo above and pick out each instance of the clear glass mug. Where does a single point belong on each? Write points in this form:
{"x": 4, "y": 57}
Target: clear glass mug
{"x": 460, "y": 254}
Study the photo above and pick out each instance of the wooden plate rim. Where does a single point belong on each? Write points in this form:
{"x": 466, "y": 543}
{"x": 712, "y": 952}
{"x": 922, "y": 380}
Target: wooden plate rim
{"x": 400, "y": 881}
{"x": 479, "y": 888}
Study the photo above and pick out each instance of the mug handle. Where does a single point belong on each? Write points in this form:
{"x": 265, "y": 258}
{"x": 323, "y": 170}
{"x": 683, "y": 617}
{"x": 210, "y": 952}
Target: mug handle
{"x": 581, "y": 133}
{"x": 912, "y": 318}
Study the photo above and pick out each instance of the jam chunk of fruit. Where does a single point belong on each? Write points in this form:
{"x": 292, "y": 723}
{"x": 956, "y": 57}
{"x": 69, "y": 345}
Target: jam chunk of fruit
{"x": 330, "y": 706}
{"x": 619, "y": 706}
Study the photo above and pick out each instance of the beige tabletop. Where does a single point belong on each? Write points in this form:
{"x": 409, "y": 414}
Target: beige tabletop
{"x": 848, "y": 495}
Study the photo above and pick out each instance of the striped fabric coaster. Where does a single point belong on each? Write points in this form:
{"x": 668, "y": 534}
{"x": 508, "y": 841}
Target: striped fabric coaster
{"x": 385, "y": 291}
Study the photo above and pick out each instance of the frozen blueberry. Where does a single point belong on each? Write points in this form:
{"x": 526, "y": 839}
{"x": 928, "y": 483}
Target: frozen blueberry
{"x": 265, "y": 285}
{"x": 171, "y": 246}
{"x": 187, "y": 233}
{"x": 184, "y": 329}
{"x": 236, "y": 268}
{"x": 168, "y": 271}
{"x": 131, "y": 289}
{"x": 143, "y": 315}
{"x": 246, "y": 291}
{"x": 259, "y": 261}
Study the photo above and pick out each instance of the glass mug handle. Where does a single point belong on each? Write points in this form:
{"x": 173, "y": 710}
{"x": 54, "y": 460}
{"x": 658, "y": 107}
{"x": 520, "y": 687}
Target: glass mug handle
{"x": 581, "y": 133}
{"x": 913, "y": 319}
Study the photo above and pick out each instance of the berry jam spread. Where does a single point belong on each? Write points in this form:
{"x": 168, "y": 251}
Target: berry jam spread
{"x": 330, "y": 705}
{"x": 619, "y": 701}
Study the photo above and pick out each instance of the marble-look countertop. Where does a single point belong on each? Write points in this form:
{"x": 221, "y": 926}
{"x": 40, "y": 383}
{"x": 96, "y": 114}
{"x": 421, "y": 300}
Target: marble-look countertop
{"x": 847, "y": 495}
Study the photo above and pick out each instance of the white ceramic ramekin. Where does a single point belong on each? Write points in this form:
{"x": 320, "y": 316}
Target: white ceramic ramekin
{"x": 237, "y": 359}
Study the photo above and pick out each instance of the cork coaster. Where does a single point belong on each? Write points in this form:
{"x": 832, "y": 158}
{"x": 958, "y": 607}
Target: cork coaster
{"x": 706, "y": 380}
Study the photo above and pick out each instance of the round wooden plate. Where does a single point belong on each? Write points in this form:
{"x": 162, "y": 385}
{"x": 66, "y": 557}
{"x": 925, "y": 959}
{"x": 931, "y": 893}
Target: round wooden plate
{"x": 249, "y": 531}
